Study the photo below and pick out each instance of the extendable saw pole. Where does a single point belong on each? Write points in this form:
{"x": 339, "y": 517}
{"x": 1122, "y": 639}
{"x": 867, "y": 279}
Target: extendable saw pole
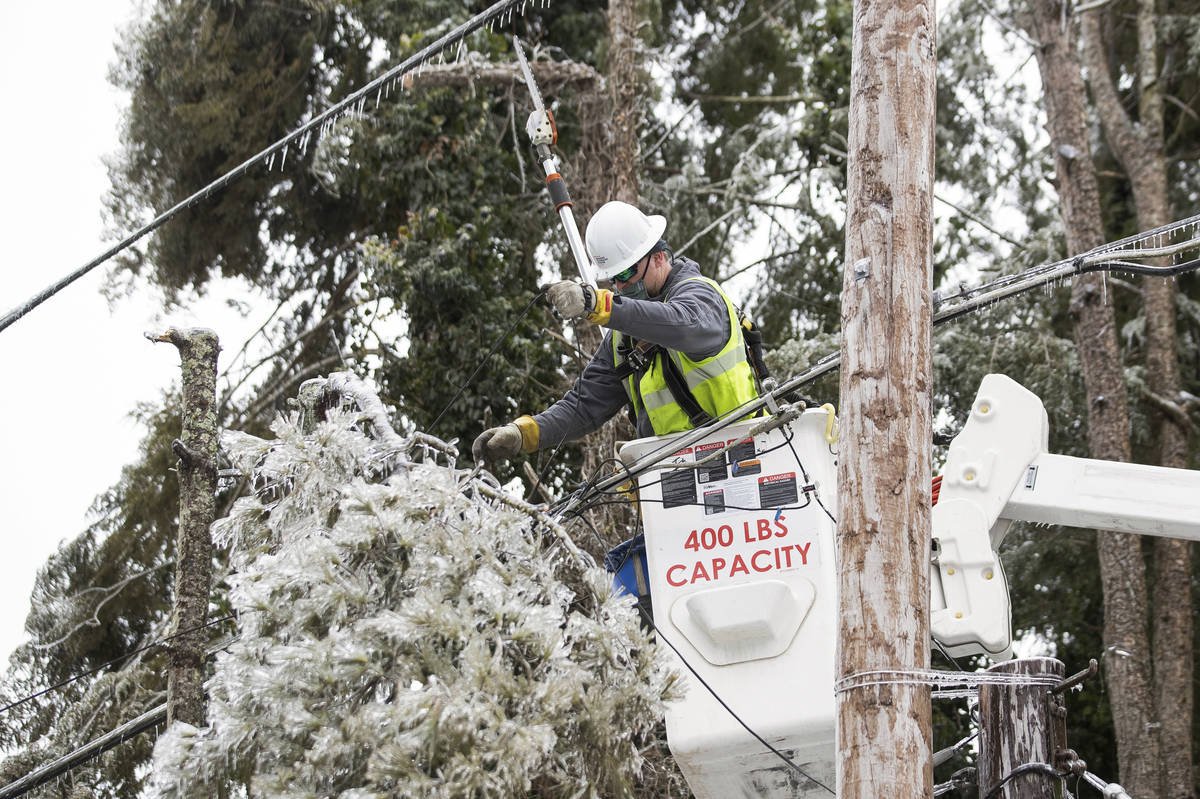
{"x": 543, "y": 134}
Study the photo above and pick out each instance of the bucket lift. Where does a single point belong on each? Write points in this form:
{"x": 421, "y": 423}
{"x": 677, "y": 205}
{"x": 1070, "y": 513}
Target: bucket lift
{"x": 739, "y": 542}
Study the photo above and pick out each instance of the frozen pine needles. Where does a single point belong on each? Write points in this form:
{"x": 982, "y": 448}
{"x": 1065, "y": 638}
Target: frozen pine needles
{"x": 410, "y": 638}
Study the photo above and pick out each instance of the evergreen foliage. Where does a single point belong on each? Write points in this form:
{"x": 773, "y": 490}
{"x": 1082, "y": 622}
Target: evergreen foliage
{"x": 405, "y": 242}
{"x": 404, "y": 636}
{"x": 102, "y": 595}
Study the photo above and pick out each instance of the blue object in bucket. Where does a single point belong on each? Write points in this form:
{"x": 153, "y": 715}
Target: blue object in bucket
{"x": 627, "y": 563}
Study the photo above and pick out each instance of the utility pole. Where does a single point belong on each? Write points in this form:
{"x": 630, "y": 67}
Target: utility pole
{"x": 197, "y": 452}
{"x": 1021, "y": 729}
{"x": 884, "y": 731}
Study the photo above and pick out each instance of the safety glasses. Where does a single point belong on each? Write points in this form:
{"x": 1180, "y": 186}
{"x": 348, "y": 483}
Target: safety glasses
{"x": 625, "y": 274}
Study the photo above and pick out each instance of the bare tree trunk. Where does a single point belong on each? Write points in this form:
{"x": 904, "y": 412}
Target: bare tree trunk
{"x": 622, "y": 74}
{"x": 609, "y": 171}
{"x": 197, "y": 451}
{"x": 1122, "y": 571}
{"x": 1140, "y": 151}
{"x": 884, "y": 731}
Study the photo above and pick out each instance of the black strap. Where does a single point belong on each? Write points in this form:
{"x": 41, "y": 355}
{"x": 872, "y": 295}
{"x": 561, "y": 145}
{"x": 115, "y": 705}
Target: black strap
{"x": 752, "y": 336}
{"x": 635, "y": 357}
{"x": 638, "y": 358}
{"x": 682, "y": 394}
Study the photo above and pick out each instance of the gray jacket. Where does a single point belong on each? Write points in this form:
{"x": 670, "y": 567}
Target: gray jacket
{"x": 694, "y": 321}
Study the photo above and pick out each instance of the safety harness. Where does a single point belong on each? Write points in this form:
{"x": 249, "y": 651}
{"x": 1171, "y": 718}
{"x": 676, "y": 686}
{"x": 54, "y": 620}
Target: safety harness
{"x": 637, "y": 356}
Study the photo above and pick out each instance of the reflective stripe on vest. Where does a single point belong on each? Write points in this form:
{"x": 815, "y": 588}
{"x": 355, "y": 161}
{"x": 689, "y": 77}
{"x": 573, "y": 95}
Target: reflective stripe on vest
{"x": 719, "y": 383}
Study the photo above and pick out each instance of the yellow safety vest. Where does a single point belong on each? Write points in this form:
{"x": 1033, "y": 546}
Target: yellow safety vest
{"x": 719, "y": 383}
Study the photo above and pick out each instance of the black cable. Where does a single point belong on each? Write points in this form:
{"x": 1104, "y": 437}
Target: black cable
{"x": 808, "y": 481}
{"x": 629, "y": 475}
{"x": 499, "y": 343}
{"x": 102, "y": 666}
{"x": 545, "y": 470}
{"x": 1025, "y": 768}
{"x": 481, "y": 19}
{"x": 650, "y": 620}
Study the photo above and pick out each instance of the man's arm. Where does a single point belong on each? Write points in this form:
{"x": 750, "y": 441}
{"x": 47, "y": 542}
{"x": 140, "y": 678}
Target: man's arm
{"x": 596, "y": 396}
{"x": 694, "y": 320}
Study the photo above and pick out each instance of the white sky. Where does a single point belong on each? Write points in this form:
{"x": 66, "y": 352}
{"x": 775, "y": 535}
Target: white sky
{"x": 72, "y": 370}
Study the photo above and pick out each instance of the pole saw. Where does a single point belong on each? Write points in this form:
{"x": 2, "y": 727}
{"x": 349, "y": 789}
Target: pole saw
{"x": 543, "y": 134}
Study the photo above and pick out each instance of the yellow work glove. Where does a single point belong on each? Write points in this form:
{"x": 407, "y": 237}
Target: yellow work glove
{"x": 499, "y": 443}
{"x": 572, "y": 300}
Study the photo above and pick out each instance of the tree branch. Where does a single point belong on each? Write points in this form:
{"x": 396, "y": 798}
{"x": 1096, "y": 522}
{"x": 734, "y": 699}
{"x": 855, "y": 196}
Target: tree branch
{"x": 1171, "y": 410}
{"x": 1116, "y": 122}
{"x": 551, "y": 76}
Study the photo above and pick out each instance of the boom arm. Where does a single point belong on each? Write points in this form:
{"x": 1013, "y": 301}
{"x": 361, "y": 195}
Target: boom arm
{"x": 998, "y": 471}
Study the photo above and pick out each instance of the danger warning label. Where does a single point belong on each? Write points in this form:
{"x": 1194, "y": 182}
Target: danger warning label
{"x": 714, "y": 470}
{"x": 775, "y": 490}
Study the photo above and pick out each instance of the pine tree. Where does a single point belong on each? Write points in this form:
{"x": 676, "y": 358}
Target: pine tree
{"x": 407, "y": 632}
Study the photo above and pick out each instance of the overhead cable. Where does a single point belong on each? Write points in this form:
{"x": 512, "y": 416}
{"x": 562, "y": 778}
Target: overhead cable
{"x": 98, "y": 746}
{"x": 102, "y": 666}
{"x": 1111, "y": 257}
{"x": 40, "y": 776}
{"x": 299, "y": 135}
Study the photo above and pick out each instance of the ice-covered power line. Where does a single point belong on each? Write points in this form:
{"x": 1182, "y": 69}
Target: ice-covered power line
{"x": 502, "y": 11}
{"x": 102, "y": 666}
{"x": 1115, "y": 256}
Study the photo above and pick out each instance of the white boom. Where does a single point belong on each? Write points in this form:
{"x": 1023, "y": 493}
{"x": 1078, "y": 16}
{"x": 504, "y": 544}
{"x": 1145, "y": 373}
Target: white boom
{"x": 997, "y": 472}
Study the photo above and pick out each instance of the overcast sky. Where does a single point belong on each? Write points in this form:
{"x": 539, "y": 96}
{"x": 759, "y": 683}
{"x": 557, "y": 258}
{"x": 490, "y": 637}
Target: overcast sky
{"x": 72, "y": 369}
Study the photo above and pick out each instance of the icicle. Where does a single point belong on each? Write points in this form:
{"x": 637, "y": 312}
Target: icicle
{"x": 271, "y": 162}
{"x": 378, "y": 92}
{"x": 283, "y": 160}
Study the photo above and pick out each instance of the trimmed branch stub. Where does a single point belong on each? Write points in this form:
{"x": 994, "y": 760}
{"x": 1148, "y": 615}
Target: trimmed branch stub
{"x": 197, "y": 452}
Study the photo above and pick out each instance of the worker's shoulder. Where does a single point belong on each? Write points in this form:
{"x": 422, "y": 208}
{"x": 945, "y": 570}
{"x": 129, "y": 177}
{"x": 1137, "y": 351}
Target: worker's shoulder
{"x": 688, "y": 279}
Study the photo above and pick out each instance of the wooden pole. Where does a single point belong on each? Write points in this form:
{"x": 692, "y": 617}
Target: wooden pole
{"x": 884, "y": 732}
{"x": 197, "y": 452}
{"x": 1017, "y": 731}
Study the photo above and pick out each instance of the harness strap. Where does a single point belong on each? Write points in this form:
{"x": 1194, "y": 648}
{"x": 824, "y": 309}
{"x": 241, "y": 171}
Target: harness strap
{"x": 638, "y": 357}
{"x": 683, "y": 395}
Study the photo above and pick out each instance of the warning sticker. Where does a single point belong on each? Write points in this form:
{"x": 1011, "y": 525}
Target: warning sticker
{"x": 777, "y": 489}
{"x": 743, "y": 458}
{"x": 678, "y": 487}
{"x": 714, "y": 470}
{"x": 714, "y": 502}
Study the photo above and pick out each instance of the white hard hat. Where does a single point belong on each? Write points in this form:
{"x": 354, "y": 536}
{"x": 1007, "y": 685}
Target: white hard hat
{"x": 619, "y": 235}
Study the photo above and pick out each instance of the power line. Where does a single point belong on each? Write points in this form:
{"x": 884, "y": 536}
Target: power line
{"x": 40, "y": 776}
{"x": 118, "y": 659}
{"x": 94, "y": 748}
{"x": 300, "y": 134}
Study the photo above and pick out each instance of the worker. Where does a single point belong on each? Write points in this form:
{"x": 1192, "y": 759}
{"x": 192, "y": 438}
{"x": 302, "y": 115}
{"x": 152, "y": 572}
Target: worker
{"x": 674, "y": 353}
